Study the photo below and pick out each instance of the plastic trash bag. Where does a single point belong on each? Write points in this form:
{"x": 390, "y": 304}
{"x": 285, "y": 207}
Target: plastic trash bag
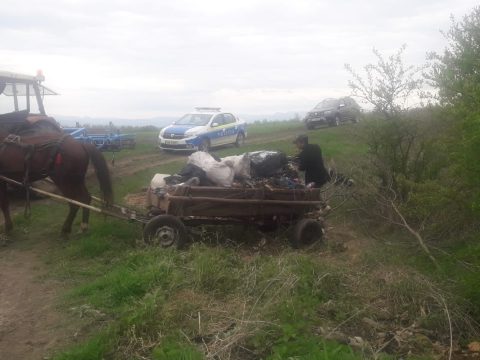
{"x": 240, "y": 165}
{"x": 219, "y": 173}
{"x": 267, "y": 163}
{"x": 192, "y": 171}
{"x": 158, "y": 181}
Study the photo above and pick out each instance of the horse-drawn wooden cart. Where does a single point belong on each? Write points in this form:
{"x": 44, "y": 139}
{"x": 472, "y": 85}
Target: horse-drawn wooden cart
{"x": 266, "y": 208}
{"x": 173, "y": 208}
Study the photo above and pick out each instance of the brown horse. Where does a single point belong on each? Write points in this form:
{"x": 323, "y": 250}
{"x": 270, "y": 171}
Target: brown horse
{"x": 35, "y": 152}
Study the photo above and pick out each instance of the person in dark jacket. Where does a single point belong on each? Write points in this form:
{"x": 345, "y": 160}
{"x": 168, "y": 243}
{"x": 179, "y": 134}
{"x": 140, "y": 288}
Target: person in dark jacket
{"x": 310, "y": 160}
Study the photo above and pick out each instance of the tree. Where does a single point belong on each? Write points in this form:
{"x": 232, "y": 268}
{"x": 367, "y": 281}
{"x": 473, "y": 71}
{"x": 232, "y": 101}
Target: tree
{"x": 398, "y": 148}
{"x": 388, "y": 85}
{"x": 456, "y": 74}
{"x": 405, "y": 154}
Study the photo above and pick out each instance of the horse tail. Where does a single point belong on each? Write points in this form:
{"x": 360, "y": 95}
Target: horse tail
{"x": 103, "y": 174}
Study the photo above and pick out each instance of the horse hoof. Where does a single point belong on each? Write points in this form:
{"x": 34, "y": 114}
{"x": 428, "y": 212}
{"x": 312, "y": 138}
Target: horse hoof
{"x": 64, "y": 235}
{"x": 3, "y": 240}
{"x": 83, "y": 228}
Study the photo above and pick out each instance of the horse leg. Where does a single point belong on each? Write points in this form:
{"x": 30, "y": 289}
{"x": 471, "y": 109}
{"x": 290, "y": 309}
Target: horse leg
{"x": 67, "y": 225}
{"x": 79, "y": 193}
{"x": 86, "y": 199}
{"x": 5, "y": 208}
{"x": 69, "y": 192}
{"x": 85, "y": 217}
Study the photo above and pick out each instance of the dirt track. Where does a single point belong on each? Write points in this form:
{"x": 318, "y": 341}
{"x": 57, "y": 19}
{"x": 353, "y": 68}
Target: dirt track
{"x": 29, "y": 324}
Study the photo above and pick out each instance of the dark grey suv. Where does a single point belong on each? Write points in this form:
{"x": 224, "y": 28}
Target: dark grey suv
{"x": 333, "y": 112}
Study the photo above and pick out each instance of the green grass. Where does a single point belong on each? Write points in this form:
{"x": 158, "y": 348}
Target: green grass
{"x": 257, "y": 130}
{"x": 145, "y": 290}
{"x": 174, "y": 350}
{"x": 165, "y": 304}
{"x": 309, "y": 348}
{"x": 93, "y": 349}
{"x": 339, "y": 143}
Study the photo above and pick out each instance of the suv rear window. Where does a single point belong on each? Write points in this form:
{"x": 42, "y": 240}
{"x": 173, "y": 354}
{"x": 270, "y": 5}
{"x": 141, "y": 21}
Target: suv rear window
{"x": 327, "y": 104}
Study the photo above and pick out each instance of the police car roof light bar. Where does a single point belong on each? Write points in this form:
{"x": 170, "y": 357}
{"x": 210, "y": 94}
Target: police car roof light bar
{"x": 208, "y": 109}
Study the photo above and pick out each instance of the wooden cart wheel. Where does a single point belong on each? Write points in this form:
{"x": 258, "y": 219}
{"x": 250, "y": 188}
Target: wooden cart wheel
{"x": 306, "y": 232}
{"x": 165, "y": 231}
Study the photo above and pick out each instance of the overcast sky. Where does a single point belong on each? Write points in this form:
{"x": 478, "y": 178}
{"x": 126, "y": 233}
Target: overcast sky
{"x": 140, "y": 59}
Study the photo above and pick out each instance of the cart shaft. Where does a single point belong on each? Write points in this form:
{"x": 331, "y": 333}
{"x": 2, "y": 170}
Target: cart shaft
{"x": 70, "y": 201}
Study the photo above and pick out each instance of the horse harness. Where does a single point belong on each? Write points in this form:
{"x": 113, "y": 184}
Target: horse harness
{"x": 30, "y": 150}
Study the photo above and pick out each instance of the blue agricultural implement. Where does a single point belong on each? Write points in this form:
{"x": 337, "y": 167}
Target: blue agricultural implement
{"x": 103, "y": 139}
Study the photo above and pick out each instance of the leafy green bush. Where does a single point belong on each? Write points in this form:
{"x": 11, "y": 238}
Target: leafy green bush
{"x": 456, "y": 74}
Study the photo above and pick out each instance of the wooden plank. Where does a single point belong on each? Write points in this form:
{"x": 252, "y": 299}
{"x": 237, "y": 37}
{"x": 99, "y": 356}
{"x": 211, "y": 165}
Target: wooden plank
{"x": 176, "y": 199}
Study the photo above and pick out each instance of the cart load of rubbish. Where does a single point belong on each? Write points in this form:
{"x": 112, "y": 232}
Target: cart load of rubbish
{"x": 258, "y": 169}
{"x": 252, "y": 169}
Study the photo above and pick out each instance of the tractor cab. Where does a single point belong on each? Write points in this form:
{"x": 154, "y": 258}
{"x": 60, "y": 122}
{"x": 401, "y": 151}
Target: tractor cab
{"x": 21, "y": 99}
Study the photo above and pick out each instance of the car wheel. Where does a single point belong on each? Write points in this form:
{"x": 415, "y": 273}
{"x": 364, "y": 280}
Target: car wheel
{"x": 240, "y": 140}
{"x": 204, "y": 145}
{"x": 310, "y": 126}
{"x": 355, "y": 119}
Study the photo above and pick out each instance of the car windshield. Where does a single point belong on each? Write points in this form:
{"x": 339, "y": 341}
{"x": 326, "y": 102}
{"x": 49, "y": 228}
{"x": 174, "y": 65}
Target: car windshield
{"x": 194, "y": 119}
{"x": 327, "y": 104}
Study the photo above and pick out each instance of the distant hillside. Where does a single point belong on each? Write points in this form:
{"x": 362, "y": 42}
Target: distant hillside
{"x": 278, "y": 116}
{"x": 67, "y": 121}
{"x": 161, "y": 121}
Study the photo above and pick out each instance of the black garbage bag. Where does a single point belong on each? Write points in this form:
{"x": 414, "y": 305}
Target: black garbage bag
{"x": 173, "y": 179}
{"x": 188, "y": 172}
{"x": 267, "y": 163}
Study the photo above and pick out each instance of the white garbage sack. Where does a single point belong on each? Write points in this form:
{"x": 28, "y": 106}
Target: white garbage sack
{"x": 220, "y": 173}
{"x": 158, "y": 181}
{"x": 240, "y": 164}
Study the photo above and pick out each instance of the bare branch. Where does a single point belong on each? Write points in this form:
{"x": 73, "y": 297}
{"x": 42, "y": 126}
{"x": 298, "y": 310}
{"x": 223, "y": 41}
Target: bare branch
{"x": 415, "y": 234}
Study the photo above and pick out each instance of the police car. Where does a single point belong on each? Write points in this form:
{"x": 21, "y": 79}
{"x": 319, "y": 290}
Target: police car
{"x": 203, "y": 129}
